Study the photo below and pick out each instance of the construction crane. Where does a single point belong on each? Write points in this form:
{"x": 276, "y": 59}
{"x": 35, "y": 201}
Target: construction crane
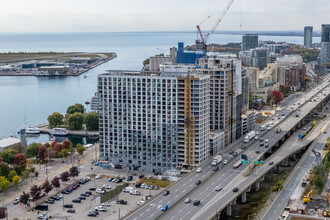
{"x": 201, "y": 44}
{"x": 308, "y": 197}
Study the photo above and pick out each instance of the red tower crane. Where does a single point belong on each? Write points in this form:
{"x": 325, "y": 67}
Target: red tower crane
{"x": 201, "y": 43}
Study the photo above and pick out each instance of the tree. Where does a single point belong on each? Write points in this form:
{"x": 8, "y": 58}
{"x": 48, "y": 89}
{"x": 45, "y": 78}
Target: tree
{"x": 35, "y": 192}
{"x": 8, "y": 155}
{"x": 75, "y": 121}
{"x": 29, "y": 163}
{"x": 251, "y": 99}
{"x": 18, "y": 170}
{"x": 66, "y": 144}
{"x": 56, "y": 182}
{"x": 25, "y": 174}
{"x": 65, "y": 176}
{"x": 36, "y": 174}
{"x": 4, "y": 169}
{"x": 63, "y": 153}
{"x": 55, "y": 119}
{"x": 92, "y": 121}
{"x": 24, "y": 198}
{"x": 12, "y": 174}
{"x": 318, "y": 182}
{"x": 47, "y": 187}
{"x": 15, "y": 180}
{"x": 42, "y": 152}
{"x": 32, "y": 150}
{"x": 1, "y": 160}
{"x": 75, "y": 108}
{"x": 58, "y": 147}
{"x": 3, "y": 212}
{"x": 74, "y": 171}
{"x": 20, "y": 160}
{"x": 4, "y": 184}
{"x": 278, "y": 96}
{"x": 80, "y": 149}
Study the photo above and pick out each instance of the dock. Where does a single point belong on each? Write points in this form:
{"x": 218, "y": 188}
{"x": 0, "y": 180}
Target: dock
{"x": 84, "y": 133}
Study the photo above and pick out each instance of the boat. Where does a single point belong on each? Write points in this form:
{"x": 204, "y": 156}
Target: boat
{"x": 31, "y": 130}
{"x": 52, "y": 138}
{"x": 85, "y": 76}
{"x": 59, "y": 132}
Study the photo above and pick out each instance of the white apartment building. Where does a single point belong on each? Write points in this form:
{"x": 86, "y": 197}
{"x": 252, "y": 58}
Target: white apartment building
{"x": 154, "y": 121}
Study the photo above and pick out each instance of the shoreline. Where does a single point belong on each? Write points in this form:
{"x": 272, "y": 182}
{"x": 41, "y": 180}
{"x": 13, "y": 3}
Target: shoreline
{"x": 11, "y": 73}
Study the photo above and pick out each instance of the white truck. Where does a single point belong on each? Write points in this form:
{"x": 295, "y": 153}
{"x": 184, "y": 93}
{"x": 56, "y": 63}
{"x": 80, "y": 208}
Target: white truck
{"x": 216, "y": 160}
{"x": 249, "y": 136}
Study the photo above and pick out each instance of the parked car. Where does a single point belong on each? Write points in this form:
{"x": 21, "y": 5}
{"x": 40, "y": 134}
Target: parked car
{"x": 135, "y": 192}
{"x": 16, "y": 201}
{"x": 106, "y": 204}
{"x": 92, "y": 214}
{"x": 121, "y": 201}
{"x": 101, "y": 191}
{"x": 199, "y": 170}
{"x": 68, "y": 206}
{"x": 156, "y": 187}
{"x": 71, "y": 211}
{"x": 76, "y": 200}
{"x": 166, "y": 192}
{"x": 142, "y": 185}
{"x": 65, "y": 192}
{"x": 100, "y": 208}
{"x": 138, "y": 185}
{"x": 50, "y": 201}
{"x": 105, "y": 186}
{"x": 187, "y": 200}
{"x": 146, "y": 186}
{"x": 88, "y": 193}
{"x": 84, "y": 194}
{"x": 129, "y": 178}
{"x": 98, "y": 176}
{"x": 92, "y": 188}
{"x": 82, "y": 197}
{"x": 197, "y": 202}
{"x": 56, "y": 197}
{"x": 141, "y": 202}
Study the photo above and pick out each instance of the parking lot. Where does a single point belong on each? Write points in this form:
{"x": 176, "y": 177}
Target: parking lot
{"x": 114, "y": 211}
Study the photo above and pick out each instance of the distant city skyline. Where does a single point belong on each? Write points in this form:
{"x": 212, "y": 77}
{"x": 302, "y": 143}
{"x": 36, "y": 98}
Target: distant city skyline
{"x": 170, "y": 15}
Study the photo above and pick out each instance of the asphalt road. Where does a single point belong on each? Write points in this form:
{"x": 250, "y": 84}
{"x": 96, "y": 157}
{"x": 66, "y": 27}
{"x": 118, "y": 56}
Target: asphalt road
{"x": 227, "y": 177}
{"x": 306, "y": 164}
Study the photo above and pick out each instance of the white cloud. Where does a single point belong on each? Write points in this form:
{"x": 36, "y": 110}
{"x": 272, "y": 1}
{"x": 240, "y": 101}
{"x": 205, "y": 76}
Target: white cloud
{"x": 153, "y": 15}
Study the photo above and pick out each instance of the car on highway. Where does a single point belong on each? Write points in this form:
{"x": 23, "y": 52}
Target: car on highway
{"x": 71, "y": 211}
{"x": 166, "y": 192}
{"x": 199, "y": 170}
{"x": 70, "y": 206}
{"x": 266, "y": 145}
{"x": 235, "y": 189}
{"x": 257, "y": 151}
{"x": 271, "y": 163}
{"x": 225, "y": 162}
{"x": 218, "y": 188}
{"x": 234, "y": 154}
{"x": 261, "y": 140}
{"x": 215, "y": 168}
{"x": 165, "y": 207}
{"x": 231, "y": 152}
{"x": 266, "y": 141}
{"x": 198, "y": 182}
{"x": 16, "y": 201}
{"x": 257, "y": 132}
{"x": 187, "y": 200}
{"x": 256, "y": 137}
{"x": 243, "y": 146}
{"x": 197, "y": 202}
{"x": 261, "y": 144}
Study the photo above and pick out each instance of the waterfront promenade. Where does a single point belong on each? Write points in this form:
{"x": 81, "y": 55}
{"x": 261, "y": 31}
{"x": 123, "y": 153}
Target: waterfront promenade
{"x": 45, "y": 130}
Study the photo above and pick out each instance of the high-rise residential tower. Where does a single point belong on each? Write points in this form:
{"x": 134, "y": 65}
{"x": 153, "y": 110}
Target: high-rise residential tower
{"x": 151, "y": 121}
{"x": 308, "y": 36}
{"x": 324, "y": 59}
{"x": 249, "y": 41}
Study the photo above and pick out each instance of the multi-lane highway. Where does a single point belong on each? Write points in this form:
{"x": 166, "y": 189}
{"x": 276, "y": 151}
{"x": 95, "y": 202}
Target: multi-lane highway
{"x": 305, "y": 164}
{"x": 227, "y": 177}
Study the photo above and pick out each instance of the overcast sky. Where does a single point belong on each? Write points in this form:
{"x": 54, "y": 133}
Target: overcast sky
{"x": 156, "y": 15}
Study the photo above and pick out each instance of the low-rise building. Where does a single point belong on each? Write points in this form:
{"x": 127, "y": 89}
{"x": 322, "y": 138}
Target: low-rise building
{"x": 9, "y": 142}
{"x": 248, "y": 121}
{"x": 217, "y": 141}
{"x": 53, "y": 69}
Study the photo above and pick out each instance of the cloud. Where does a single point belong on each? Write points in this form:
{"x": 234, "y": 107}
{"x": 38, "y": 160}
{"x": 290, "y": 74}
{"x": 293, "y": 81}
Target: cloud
{"x": 151, "y": 15}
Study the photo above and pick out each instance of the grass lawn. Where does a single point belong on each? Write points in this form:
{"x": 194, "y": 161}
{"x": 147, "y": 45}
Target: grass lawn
{"x": 155, "y": 182}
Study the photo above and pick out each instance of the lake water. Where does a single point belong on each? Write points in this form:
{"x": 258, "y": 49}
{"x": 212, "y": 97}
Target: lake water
{"x": 35, "y": 98}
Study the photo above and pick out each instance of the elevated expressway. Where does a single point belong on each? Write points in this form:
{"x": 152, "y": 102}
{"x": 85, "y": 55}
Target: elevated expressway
{"x": 227, "y": 177}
